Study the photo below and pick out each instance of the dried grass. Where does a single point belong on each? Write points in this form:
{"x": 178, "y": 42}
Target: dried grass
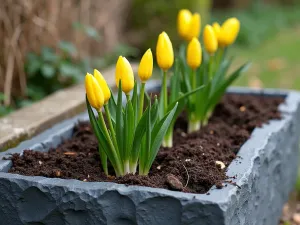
{"x": 26, "y": 25}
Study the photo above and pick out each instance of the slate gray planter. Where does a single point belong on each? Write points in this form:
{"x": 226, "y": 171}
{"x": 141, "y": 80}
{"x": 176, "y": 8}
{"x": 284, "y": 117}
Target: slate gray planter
{"x": 265, "y": 174}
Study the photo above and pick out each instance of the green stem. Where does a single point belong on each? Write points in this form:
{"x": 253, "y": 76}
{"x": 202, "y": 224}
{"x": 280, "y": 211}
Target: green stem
{"x": 111, "y": 127}
{"x": 128, "y": 97}
{"x": 193, "y": 126}
{"x": 210, "y": 66}
{"x": 219, "y": 56}
{"x": 168, "y": 138}
{"x": 118, "y": 169}
{"x": 165, "y": 92}
{"x": 142, "y": 93}
{"x": 194, "y": 79}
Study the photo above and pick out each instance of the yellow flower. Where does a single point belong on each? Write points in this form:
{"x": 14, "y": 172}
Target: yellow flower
{"x": 229, "y": 32}
{"x": 194, "y": 27}
{"x": 146, "y": 66}
{"x": 94, "y": 92}
{"x": 217, "y": 29}
{"x": 210, "y": 40}
{"x": 124, "y": 72}
{"x": 183, "y": 23}
{"x": 164, "y": 52}
{"x": 103, "y": 85}
{"x": 194, "y": 54}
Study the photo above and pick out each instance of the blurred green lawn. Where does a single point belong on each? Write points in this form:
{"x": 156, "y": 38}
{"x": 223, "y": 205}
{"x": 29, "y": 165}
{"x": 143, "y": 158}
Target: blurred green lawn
{"x": 275, "y": 63}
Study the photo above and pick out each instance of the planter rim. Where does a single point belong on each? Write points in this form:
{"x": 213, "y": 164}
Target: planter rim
{"x": 248, "y": 153}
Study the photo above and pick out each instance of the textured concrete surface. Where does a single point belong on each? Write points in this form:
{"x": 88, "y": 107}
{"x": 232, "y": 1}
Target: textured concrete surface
{"x": 29, "y": 121}
{"x": 265, "y": 174}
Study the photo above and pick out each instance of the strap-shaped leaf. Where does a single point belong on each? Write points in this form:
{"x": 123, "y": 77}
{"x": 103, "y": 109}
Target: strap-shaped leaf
{"x": 119, "y": 121}
{"x": 138, "y": 135}
{"x": 216, "y": 96}
{"x": 146, "y": 150}
{"x": 154, "y": 112}
{"x": 135, "y": 100}
{"x": 129, "y": 121}
{"x": 175, "y": 83}
{"x": 112, "y": 106}
{"x": 158, "y": 134}
{"x": 99, "y": 134}
{"x": 182, "y": 97}
{"x": 220, "y": 74}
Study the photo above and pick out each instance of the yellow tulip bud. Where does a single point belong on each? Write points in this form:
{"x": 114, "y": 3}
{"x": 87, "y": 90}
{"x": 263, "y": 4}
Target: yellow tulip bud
{"x": 164, "y": 52}
{"x": 183, "y": 23}
{"x": 103, "y": 85}
{"x": 195, "y": 27}
{"x": 124, "y": 72}
{"x": 229, "y": 32}
{"x": 217, "y": 29}
{"x": 210, "y": 40}
{"x": 146, "y": 66}
{"x": 94, "y": 92}
{"x": 194, "y": 54}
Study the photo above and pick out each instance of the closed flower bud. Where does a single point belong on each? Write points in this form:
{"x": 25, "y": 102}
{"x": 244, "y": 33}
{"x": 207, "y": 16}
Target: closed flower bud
{"x": 146, "y": 66}
{"x": 194, "y": 54}
{"x": 195, "y": 27}
{"x": 210, "y": 40}
{"x": 217, "y": 29}
{"x": 94, "y": 92}
{"x": 125, "y": 74}
{"x": 183, "y": 23}
{"x": 164, "y": 52}
{"x": 229, "y": 32}
{"x": 103, "y": 85}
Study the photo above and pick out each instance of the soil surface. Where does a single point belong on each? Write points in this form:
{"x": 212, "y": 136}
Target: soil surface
{"x": 190, "y": 166}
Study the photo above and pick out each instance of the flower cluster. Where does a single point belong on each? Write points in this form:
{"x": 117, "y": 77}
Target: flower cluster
{"x": 131, "y": 133}
{"x": 206, "y": 67}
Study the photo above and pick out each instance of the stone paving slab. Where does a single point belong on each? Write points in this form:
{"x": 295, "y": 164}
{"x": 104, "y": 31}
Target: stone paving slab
{"x": 31, "y": 120}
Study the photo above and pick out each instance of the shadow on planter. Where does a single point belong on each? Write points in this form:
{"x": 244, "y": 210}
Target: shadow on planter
{"x": 265, "y": 173}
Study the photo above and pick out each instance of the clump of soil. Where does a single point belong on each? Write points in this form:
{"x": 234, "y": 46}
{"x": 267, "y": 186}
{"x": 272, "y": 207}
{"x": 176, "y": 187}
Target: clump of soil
{"x": 189, "y": 166}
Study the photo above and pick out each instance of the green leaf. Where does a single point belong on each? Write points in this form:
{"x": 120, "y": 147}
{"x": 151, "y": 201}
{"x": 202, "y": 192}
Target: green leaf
{"x": 92, "y": 33}
{"x": 154, "y": 112}
{"x": 158, "y": 134}
{"x": 48, "y": 71}
{"x": 129, "y": 129}
{"x": 69, "y": 70}
{"x": 102, "y": 141}
{"x": 48, "y": 55}
{"x": 175, "y": 83}
{"x": 33, "y": 64}
{"x": 112, "y": 106}
{"x": 216, "y": 96}
{"x": 138, "y": 135}
{"x": 145, "y": 151}
{"x": 135, "y": 99}
{"x": 119, "y": 121}
{"x": 67, "y": 47}
{"x": 220, "y": 74}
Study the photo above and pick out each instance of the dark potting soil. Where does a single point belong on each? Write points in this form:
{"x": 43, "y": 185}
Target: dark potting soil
{"x": 189, "y": 166}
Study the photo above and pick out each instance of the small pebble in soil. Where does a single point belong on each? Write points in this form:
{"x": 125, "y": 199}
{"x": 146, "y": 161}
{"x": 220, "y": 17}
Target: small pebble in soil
{"x": 174, "y": 183}
{"x": 220, "y": 164}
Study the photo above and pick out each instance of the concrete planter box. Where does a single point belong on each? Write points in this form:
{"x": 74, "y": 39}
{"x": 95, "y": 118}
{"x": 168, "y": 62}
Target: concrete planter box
{"x": 265, "y": 173}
